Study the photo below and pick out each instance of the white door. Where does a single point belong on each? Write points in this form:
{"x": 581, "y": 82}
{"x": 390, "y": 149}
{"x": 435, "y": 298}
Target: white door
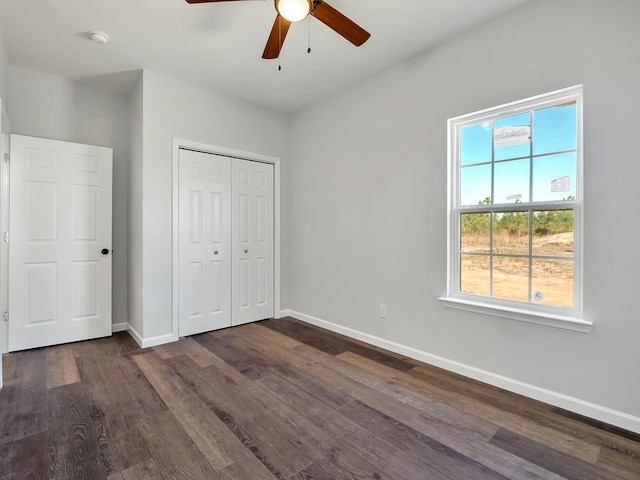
{"x": 252, "y": 273}
{"x": 205, "y": 242}
{"x": 60, "y": 242}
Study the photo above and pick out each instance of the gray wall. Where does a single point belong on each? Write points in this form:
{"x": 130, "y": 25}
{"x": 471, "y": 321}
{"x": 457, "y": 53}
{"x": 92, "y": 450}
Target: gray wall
{"x": 135, "y": 105}
{"x": 4, "y": 70}
{"x": 368, "y": 202}
{"x": 175, "y": 109}
{"x": 42, "y": 105}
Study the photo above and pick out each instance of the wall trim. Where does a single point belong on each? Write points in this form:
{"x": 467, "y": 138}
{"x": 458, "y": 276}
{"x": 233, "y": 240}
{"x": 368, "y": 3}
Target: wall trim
{"x": 576, "y": 405}
{"x": 151, "y": 341}
{"x": 119, "y": 327}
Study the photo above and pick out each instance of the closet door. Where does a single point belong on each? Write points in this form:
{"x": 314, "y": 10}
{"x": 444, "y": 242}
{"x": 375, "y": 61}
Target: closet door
{"x": 205, "y": 242}
{"x": 252, "y": 272}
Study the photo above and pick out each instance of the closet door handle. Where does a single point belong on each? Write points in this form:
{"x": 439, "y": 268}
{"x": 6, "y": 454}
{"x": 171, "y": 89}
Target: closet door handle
{"x": 246, "y": 251}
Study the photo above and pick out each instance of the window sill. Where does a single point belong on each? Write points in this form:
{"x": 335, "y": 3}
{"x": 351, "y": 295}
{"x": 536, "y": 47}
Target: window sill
{"x": 522, "y": 315}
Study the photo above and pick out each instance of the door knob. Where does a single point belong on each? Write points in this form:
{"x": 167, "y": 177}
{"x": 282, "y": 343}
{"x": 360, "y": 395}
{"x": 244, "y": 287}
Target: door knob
{"x": 246, "y": 251}
{"x": 216, "y": 252}
{"x": 105, "y": 251}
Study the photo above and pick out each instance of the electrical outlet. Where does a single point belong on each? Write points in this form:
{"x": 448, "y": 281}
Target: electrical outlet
{"x": 382, "y": 311}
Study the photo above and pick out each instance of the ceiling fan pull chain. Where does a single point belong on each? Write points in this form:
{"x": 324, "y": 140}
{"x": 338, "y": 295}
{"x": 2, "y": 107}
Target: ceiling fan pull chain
{"x": 309, "y": 32}
{"x": 279, "y": 40}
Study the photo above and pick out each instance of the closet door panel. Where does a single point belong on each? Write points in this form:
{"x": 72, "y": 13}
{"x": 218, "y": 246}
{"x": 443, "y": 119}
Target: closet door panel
{"x": 253, "y": 268}
{"x": 205, "y": 242}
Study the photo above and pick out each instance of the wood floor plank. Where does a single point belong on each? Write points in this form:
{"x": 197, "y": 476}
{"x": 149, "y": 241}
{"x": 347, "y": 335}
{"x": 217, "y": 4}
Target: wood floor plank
{"x": 308, "y": 335}
{"x": 172, "y": 449}
{"x": 249, "y": 467}
{"x": 545, "y": 456}
{"x": 188, "y": 346}
{"x": 546, "y": 415}
{"x": 315, "y": 471}
{"x": 145, "y": 471}
{"x": 336, "y": 343}
{"x": 250, "y": 417}
{"x": 318, "y": 378}
{"x": 291, "y": 364}
{"x": 8, "y": 367}
{"x": 251, "y": 340}
{"x": 23, "y": 401}
{"x": 396, "y": 463}
{"x": 625, "y": 466}
{"x": 216, "y": 442}
{"x": 73, "y": 450}
{"x": 117, "y": 394}
{"x": 461, "y": 433}
{"x": 26, "y": 457}
{"x": 534, "y": 411}
{"x": 441, "y": 457}
{"x": 267, "y": 335}
{"x": 416, "y": 393}
{"x": 61, "y": 366}
{"x": 246, "y": 364}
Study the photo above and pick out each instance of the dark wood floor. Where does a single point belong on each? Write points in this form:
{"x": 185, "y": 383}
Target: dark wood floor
{"x": 281, "y": 399}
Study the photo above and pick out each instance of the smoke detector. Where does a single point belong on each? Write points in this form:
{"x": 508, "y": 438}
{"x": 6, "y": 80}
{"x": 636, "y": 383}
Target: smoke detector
{"x": 99, "y": 37}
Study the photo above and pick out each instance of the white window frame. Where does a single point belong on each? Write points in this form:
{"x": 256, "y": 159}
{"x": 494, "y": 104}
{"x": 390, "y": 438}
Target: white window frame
{"x": 566, "y": 318}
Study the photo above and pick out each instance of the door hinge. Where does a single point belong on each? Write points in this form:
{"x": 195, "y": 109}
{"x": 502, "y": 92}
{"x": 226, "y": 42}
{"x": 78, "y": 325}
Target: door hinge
{"x": 5, "y": 237}
{"x": 6, "y": 158}
{"x": 5, "y": 316}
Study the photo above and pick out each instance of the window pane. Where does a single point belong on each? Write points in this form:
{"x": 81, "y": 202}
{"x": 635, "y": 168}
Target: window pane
{"x": 511, "y": 182}
{"x": 552, "y": 282}
{"x": 474, "y": 274}
{"x": 511, "y": 278}
{"x": 517, "y": 150}
{"x": 475, "y": 143}
{"x": 555, "y": 129}
{"x": 474, "y": 232}
{"x": 553, "y": 233}
{"x": 554, "y": 178}
{"x": 511, "y": 233}
{"x": 475, "y": 185}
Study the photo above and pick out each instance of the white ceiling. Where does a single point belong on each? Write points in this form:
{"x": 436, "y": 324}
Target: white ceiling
{"x": 220, "y": 45}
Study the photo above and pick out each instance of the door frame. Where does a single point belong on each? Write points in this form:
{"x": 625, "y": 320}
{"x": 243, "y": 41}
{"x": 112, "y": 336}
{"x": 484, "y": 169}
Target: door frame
{"x": 175, "y": 247}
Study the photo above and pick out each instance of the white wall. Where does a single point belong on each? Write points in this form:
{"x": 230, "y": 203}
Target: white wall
{"x": 368, "y": 202}
{"x": 175, "y": 109}
{"x": 48, "y": 106}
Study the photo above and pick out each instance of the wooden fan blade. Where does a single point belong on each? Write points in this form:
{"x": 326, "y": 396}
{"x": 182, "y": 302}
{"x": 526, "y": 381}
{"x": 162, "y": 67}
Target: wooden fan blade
{"x": 336, "y": 21}
{"x": 276, "y": 38}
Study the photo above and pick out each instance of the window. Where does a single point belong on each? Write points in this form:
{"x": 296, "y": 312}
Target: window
{"x": 515, "y": 210}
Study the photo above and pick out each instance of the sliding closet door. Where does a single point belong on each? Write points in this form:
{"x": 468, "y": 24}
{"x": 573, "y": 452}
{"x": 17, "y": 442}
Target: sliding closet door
{"x": 252, "y": 272}
{"x": 205, "y": 242}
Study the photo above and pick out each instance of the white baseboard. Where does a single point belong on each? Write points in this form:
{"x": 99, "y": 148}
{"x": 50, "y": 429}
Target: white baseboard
{"x": 151, "y": 341}
{"x": 135, "y": 335}
{"x": 576, "y": 405}
{"x": 119, "y": 327}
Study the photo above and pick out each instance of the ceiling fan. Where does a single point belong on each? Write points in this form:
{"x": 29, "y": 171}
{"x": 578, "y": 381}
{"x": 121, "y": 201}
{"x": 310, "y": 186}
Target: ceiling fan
{"x": 290, "y": 11}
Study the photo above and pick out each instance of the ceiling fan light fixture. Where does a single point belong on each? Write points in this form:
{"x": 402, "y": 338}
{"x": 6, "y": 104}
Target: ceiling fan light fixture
{"x": 293, "y": 10}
